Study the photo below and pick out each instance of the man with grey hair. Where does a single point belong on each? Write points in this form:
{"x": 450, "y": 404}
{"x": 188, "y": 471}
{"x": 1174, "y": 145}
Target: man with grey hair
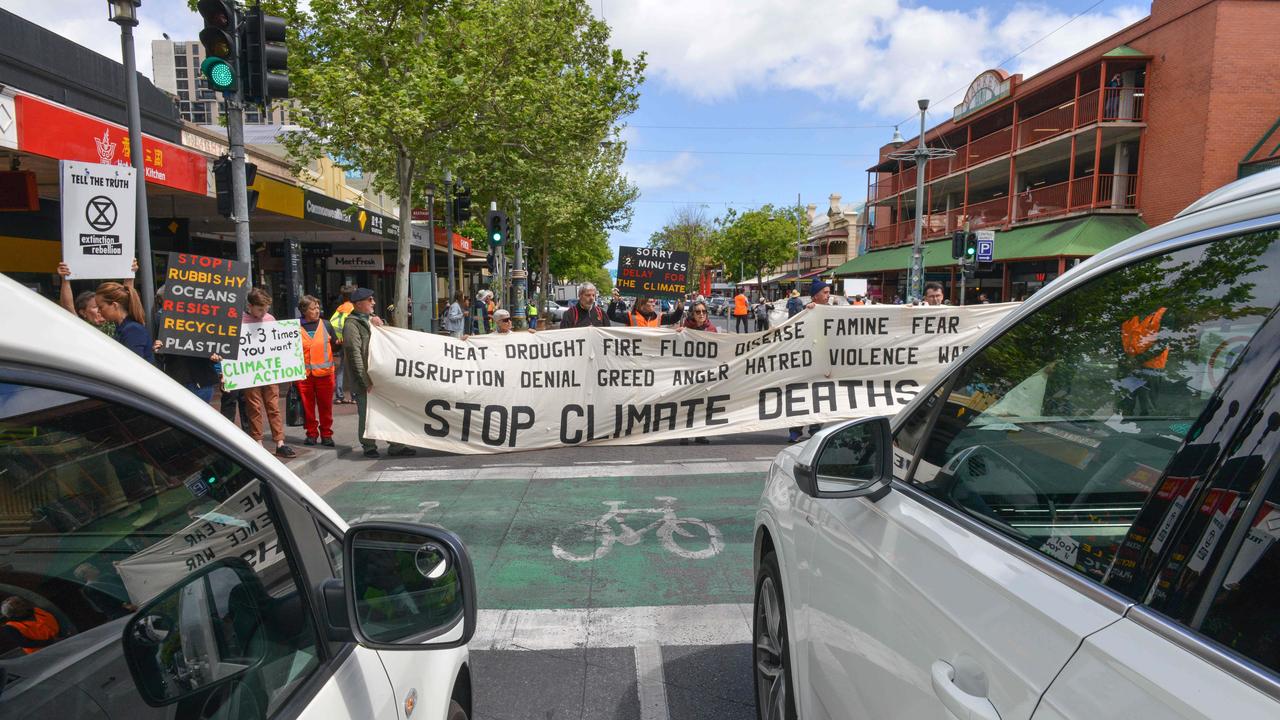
{"x": 585, "y": 313}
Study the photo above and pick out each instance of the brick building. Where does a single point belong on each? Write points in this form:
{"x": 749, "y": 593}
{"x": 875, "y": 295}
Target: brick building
{"x": 1114, "y": 139}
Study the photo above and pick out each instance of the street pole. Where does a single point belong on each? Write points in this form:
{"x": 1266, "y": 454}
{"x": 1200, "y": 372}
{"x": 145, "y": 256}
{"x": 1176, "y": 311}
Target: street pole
{"x": 799, "y": 238}
{"x": 142, "y": 237}
{"x": 519, "y": 279}
{"x": 448, "y": 224}
{"x": 431, "y": 257}
{"x": 964, "y": 263}
{"x": 916, "y": 277}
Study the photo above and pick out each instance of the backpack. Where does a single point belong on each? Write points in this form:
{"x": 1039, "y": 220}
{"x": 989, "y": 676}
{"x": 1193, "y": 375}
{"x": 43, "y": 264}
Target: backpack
{"x": 762, "y": 312}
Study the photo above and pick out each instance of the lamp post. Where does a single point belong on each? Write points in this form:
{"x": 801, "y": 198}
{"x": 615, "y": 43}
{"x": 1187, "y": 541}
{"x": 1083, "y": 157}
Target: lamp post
{"x": 448, "y": 225}
{"x": 921, "y": 154}
{"x": 125, "y": 14}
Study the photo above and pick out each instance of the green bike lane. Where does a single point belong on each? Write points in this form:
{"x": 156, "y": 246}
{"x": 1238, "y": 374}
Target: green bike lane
{"x": 510, "y": 525}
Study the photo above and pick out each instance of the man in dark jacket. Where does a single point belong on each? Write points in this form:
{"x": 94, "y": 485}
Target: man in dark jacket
{"x": 584, "y": 313}
{"x": 794, "y": 306}
{"x": 355, "y": 348}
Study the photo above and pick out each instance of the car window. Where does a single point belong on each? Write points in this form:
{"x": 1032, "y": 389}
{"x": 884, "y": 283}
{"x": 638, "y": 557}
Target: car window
{"x": 1057, "y": 432}
{"x": 103, "y": 508}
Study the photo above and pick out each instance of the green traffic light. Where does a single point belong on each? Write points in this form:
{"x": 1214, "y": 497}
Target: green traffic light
{"x": 497, "y": 237}
{"x": 219, "y": 73}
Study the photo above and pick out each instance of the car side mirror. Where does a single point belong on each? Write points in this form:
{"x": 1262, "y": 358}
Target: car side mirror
{"x": 408, "y": 585}
{"x": 854, "y": 460}
{"x": 208, "y": 630}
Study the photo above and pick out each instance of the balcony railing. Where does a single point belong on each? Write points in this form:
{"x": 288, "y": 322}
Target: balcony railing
{"x": 987, "y": 147}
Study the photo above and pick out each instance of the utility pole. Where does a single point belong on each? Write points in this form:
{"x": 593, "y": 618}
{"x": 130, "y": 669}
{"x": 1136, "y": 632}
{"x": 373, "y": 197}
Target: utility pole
{"x": 142, "y": 238}
{"x": 964, "y": 265}
{"x": 431, "y": 255}
{"x": 448, "y": 225}
{"x": 799, "y": 238}
{"x": 239, "y": 189}
{"x": 519, "y": 279}
{"x": 921, "y": 154}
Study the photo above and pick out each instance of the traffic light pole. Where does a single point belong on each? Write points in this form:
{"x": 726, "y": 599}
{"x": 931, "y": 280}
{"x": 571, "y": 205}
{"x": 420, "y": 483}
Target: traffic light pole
{"x": 964, "y": 264}
{"x": 142, "y": 238}
{"x": 519, "y": 279}
{"x": 448, "y": 225}
{"x": 239, "y": 189}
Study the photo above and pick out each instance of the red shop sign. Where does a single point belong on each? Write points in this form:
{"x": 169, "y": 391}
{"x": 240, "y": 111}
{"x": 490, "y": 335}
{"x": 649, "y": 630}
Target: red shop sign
{"x": 461, "y": 243}
{"x": 56, "y": 132}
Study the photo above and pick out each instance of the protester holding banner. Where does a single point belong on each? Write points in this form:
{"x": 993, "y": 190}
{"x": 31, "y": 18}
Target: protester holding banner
{"x": 319, "y": 348}
{"x": 932, "y": 293}
{"x": 264, "y": 397}
{"x": 84, "y": 304}
{"x": 642, "y": 314}
{"x": 819, "y": 294}
{"x": 356, "y": 337}
{"x": 121, "y": 305}
{"x": 585, "y": 313}
{"x": 337, "y": 321}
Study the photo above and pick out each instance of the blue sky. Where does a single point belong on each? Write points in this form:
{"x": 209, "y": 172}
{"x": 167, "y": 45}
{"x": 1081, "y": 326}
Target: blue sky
{"x": 838, "y": 73}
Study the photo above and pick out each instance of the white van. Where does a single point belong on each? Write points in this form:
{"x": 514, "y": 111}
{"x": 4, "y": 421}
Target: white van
{"x": 157, "y": 563}
{"x": 1080, "y": 518}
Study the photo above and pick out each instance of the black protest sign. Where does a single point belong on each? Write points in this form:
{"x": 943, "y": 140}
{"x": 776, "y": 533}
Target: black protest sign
{"x": 652, "y": 272}
{"x": 201, "y": 306}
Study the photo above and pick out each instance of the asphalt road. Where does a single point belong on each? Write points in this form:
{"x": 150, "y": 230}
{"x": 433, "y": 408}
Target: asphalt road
{"x": 613, "y": 582}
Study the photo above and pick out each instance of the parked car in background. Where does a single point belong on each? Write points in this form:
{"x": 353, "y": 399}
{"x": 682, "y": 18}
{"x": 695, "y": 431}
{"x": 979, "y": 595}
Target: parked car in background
{"x": 718, "y": 305}
{"x": 1080, "y": 518}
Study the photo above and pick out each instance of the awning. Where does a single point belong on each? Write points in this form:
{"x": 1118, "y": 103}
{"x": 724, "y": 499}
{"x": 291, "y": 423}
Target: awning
{"x": 1073, "y": 237}
{"x": 765, "y": 280}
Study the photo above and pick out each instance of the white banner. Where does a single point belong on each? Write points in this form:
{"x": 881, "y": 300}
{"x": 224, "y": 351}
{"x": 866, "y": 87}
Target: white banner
{"x": 99, "y": 210}
{"x": 238, "y": 527}
{"x": 270, "y": 353}
{"x": 626, "y": 386}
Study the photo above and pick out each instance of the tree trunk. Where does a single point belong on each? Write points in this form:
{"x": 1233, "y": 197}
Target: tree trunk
{"x": 404, "y": 176}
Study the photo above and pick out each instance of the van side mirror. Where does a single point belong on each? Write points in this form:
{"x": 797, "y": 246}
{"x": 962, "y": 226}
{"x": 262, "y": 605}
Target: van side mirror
{"x": 854, "y": 460}
{"x": 208, "y": 630}
{"x": 408, "y": 585}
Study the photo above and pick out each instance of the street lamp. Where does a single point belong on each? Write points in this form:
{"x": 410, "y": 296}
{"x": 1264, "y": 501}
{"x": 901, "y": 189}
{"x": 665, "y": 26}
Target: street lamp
{"x": 125, "y": 14}
{"x": 921, "y": 154}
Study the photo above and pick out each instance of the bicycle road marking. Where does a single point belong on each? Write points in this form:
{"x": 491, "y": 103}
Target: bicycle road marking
{"x": 615, "y": 627}
{"x": 558, "y": 472}
{"x": 601, "y": 535}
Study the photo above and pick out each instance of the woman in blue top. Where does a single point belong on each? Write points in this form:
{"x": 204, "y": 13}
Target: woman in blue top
{"x": 122, "y": 306}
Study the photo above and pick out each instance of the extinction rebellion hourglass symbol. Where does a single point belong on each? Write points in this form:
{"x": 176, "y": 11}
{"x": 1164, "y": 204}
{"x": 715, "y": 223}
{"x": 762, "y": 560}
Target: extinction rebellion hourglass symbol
{"x": 100, "y": 212}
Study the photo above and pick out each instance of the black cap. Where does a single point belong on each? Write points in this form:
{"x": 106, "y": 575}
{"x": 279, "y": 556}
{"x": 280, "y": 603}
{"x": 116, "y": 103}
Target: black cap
{"x": 361, "y": 294}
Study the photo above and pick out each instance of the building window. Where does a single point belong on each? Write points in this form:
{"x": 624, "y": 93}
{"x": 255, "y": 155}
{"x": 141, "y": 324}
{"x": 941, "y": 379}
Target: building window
{"x": 180, "y": 73}
{"x": 184, "y": 107}
{"x": 179, "y": 49}
{"x": 205, "y": 95}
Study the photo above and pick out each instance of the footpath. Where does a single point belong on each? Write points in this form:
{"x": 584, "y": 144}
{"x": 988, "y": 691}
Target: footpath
{"x": 312, "y": 458}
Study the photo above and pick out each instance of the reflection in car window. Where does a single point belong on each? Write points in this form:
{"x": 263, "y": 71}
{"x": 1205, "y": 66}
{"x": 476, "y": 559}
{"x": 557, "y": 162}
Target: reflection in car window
{"x": 102, "y": 508}
{"x": 1057, "y": 432}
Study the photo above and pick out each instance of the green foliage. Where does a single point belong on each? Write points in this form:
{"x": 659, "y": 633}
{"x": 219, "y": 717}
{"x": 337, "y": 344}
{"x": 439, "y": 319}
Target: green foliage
{"x": 757, "y": 240}
{"x": 689, "y": 230}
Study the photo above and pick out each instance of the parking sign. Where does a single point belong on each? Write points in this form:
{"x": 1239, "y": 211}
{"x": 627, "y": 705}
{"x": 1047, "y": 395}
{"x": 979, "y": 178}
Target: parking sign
{"x": 986, "y": 245}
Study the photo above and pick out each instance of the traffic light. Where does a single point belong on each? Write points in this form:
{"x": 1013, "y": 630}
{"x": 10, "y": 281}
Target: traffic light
{"x": 462, "y": 205}
{"x": 265, "y": 56}
{"x": 222, "y": 185}
{"x": 970, "y": 247}
{"x": 219, "y": 40}
{"x": 957, "y": 244}
{"x": 496, "y": 221}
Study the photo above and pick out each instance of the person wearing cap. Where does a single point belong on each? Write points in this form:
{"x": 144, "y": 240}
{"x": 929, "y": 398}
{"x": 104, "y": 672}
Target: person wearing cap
{"x": 794, "y": 306}
{"x": 819, "y": 294}
{"x": 355, "y": 348}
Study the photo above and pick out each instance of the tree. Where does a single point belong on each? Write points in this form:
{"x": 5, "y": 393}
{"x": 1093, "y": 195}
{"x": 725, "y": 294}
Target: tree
{"x": 758, "y": 240}
{"x": 499, "y": 91}
{"x": 688, "y": 230}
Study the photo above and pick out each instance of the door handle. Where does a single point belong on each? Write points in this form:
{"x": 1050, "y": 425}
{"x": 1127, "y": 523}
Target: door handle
{"x": 809, "y": 519}
{"x": 960, "y": 703}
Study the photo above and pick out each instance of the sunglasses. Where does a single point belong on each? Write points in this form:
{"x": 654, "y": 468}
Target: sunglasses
{"x": 505, "y": 320}
{"x": 699, "y": 312}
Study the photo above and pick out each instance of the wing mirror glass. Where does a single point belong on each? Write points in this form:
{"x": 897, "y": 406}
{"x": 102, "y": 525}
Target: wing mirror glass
{"x": 409, "y": 585}
{"x": 853, "y": 460}
{"x": 208, "y": 630}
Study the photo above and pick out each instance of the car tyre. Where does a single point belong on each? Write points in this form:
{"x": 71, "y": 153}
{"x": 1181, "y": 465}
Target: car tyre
{"x": 456, "y": 711}
{"x": 770, "y": 651}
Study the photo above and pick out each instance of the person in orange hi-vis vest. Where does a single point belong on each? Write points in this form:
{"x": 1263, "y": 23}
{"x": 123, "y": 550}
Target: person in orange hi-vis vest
{"x": 26, "y": 626}
{"x": 1138, "y": 336}
{"x": 319, "y": 347}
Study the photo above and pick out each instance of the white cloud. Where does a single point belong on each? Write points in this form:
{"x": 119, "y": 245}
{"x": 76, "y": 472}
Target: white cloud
{"x": 881, "y": 54}
{"x": 662, "y": 174}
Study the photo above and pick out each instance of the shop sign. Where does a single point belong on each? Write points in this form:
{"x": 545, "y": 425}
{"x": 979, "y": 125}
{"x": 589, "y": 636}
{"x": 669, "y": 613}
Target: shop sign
{"x": 420, "y": 215}
{"x": 985, "y": 89}
{"x": 336, "y": 213}
{"x": 356, "y": 262}
{"x": 99, "y": 209}
{"x": 56, "y": 132}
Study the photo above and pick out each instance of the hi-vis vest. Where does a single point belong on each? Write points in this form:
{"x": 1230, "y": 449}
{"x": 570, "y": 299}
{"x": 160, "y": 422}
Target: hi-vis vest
{"x": 42, "y": 628}
{"x": 339, "y": 318}
{"x": 316, "y": 351}
{"x": 638, "y": 320}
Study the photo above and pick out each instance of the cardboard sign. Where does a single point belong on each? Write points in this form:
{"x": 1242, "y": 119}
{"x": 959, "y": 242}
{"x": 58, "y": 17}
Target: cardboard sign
{"x": 99, "y": 211}
{"x": 624, "y": 386}
{"x": 652, "y": 272}
{"x": 201, "y": 306}
{"x": 270, "y": 353}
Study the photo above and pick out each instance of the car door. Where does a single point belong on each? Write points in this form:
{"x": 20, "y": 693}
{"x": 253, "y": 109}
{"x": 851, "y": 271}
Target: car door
{"x": 107, "y": 506}
{"x": 1205, "y": 642}
{"x": 967, "y": 589}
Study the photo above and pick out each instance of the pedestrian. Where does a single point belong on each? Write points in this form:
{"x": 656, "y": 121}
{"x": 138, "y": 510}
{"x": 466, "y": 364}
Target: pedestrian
{"x": 121, "y": 305}
{"x": 503, "y": 322}
{"x": 642, "y": 314}
{"x": 26, "y": 626}
{"x": 490, "y": 306}
{"x": 932, "y": 293}
{"x": 983, "y": 299}
{"x": 85, "y": 305}
{"x": 699, "y": 319}
{"x": 740, "y": 312}
{"x": 338, "y": 321}
{"x": 355, "y": 346}
{"x": 819, "y": 294}
{"x": 455, "y": 318}
{"x": 585, "y": 312}
{"x": 264, "y": 397}
{"x": 762, "y": 310}
{"x": 319, "y": 348}
{"x": 794, "y": 305}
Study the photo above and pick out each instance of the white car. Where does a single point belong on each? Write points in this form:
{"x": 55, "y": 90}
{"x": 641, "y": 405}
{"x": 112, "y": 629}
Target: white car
{"x": 189, "y": 574}
{"x": 1079, "y": 519}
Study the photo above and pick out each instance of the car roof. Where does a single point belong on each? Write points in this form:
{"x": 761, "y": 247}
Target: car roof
{"x": 42, "y": 334}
